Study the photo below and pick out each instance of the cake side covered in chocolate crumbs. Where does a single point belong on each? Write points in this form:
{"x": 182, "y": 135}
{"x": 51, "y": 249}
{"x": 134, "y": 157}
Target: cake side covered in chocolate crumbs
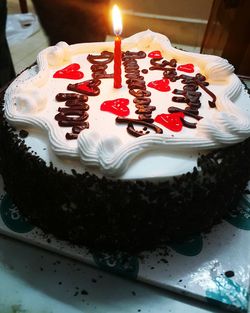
{"x": 121, "y": 215}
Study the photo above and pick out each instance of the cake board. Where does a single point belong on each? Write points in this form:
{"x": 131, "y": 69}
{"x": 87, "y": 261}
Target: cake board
{"x": 211, "y": 267}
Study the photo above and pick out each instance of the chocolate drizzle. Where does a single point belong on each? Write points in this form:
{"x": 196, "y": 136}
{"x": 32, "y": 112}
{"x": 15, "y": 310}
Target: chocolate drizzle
{"x": 191, "y": 84}
{"x": 157, "y": 65}
{"x": 88, "y": 87}
{"x": 71, "y": 96}
{"x": 137, "y": 88}
{"x": 136, "y": 133}
{"x": 189, "y": 94}
{"x": 209, "y": 92}
{"x": 100, "y": 62}
{"x": 74, "y": 114}
{"x": 105, "y": 56}
{"x": 173, "y": 109}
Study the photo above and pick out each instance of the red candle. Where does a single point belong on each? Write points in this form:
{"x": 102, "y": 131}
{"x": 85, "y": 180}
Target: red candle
{"x": 117, "y": 25}
{"x": 117, "y": 63}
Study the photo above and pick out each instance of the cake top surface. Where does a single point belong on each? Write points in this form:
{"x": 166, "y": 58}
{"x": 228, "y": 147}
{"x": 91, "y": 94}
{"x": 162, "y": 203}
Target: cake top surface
{"x": 172, "y": 105}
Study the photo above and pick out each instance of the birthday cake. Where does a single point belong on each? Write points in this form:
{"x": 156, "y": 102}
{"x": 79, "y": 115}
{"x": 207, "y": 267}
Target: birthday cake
{"x": 161, "y": 158}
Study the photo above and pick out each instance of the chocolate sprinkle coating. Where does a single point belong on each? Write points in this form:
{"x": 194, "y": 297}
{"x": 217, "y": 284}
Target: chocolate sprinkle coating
{"x": 229, "y": 274}
{"x": 122, "y": 215}
{"x": 23, "y": 133}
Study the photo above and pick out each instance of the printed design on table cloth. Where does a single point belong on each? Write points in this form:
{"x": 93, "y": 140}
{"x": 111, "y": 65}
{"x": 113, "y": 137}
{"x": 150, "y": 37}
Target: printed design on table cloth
{"x": 118, "y": 263}
{"x": 12, "y": 218}
{"x": 225, "y": 291}
{"x": 189, "y": 247}
{"x": 241, "y": 219}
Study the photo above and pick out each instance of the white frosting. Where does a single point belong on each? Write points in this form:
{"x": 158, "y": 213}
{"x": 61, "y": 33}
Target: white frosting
{"x": 58, "y": 54}
{"x": 106, "y": 148}
{"x": 30, "y": 101}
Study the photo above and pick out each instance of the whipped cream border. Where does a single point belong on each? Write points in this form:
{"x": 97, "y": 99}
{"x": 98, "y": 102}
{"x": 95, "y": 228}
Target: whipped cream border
{"x": 228, "y": 126}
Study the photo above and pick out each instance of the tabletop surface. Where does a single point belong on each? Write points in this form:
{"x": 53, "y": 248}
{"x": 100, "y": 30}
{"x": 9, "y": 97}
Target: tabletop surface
{"x": 38, "y": 281}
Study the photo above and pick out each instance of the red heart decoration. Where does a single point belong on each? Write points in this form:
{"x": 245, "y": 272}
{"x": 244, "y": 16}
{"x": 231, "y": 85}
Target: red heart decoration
{"x": 188, "y": 68}
{"x": 155, "y": 54}
{"x": 69, "y": 72}
{"x": 161, "y": 85}
{"x": 171, "y": 121}
{"x": 88, "y": 87}
{"x": 117, "y": 106}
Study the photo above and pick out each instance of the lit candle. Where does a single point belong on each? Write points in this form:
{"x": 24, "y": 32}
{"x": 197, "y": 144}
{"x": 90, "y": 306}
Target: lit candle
{"x": 117, "y": 26}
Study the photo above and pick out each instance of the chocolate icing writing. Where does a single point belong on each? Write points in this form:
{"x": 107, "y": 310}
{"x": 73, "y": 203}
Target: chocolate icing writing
{"x": 70, "y": 96}
{"x": 99, "y": 67}
{"x": 139, "y": 93}
{"x": 136, "y": 133}
{"x": 77, "y": 103}
{"x": 212, "y": 95}
{"x": 188, "y": 124}
{"x": 157, "y": 65}
{"x": 137, "y": 88}
{"x": 133, "y": 55}
{"x": 88, "y": 87}
{"x": 186, "y": 112}
{"x": 162, "y": 65}
{"x": 65, "y": 118}
{"x": 142, "y": 101}
{"x": 74, "y": 114}
{"x": 189, "y": 94}
{"x": 180, "y": 99}
{"x": 76, "y": 131}
{"x": 105, "y": 56}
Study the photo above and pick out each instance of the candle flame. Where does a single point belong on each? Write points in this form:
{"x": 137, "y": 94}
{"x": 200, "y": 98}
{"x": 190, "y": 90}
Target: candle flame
{"x": 117, "y": 20}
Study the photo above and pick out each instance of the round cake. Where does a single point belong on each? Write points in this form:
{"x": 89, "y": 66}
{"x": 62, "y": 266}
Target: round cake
{"x": 132, "y": 168}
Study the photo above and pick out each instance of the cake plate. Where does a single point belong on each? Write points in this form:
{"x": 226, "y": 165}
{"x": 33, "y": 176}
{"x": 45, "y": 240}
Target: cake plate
{"x": 211, "y": 267}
